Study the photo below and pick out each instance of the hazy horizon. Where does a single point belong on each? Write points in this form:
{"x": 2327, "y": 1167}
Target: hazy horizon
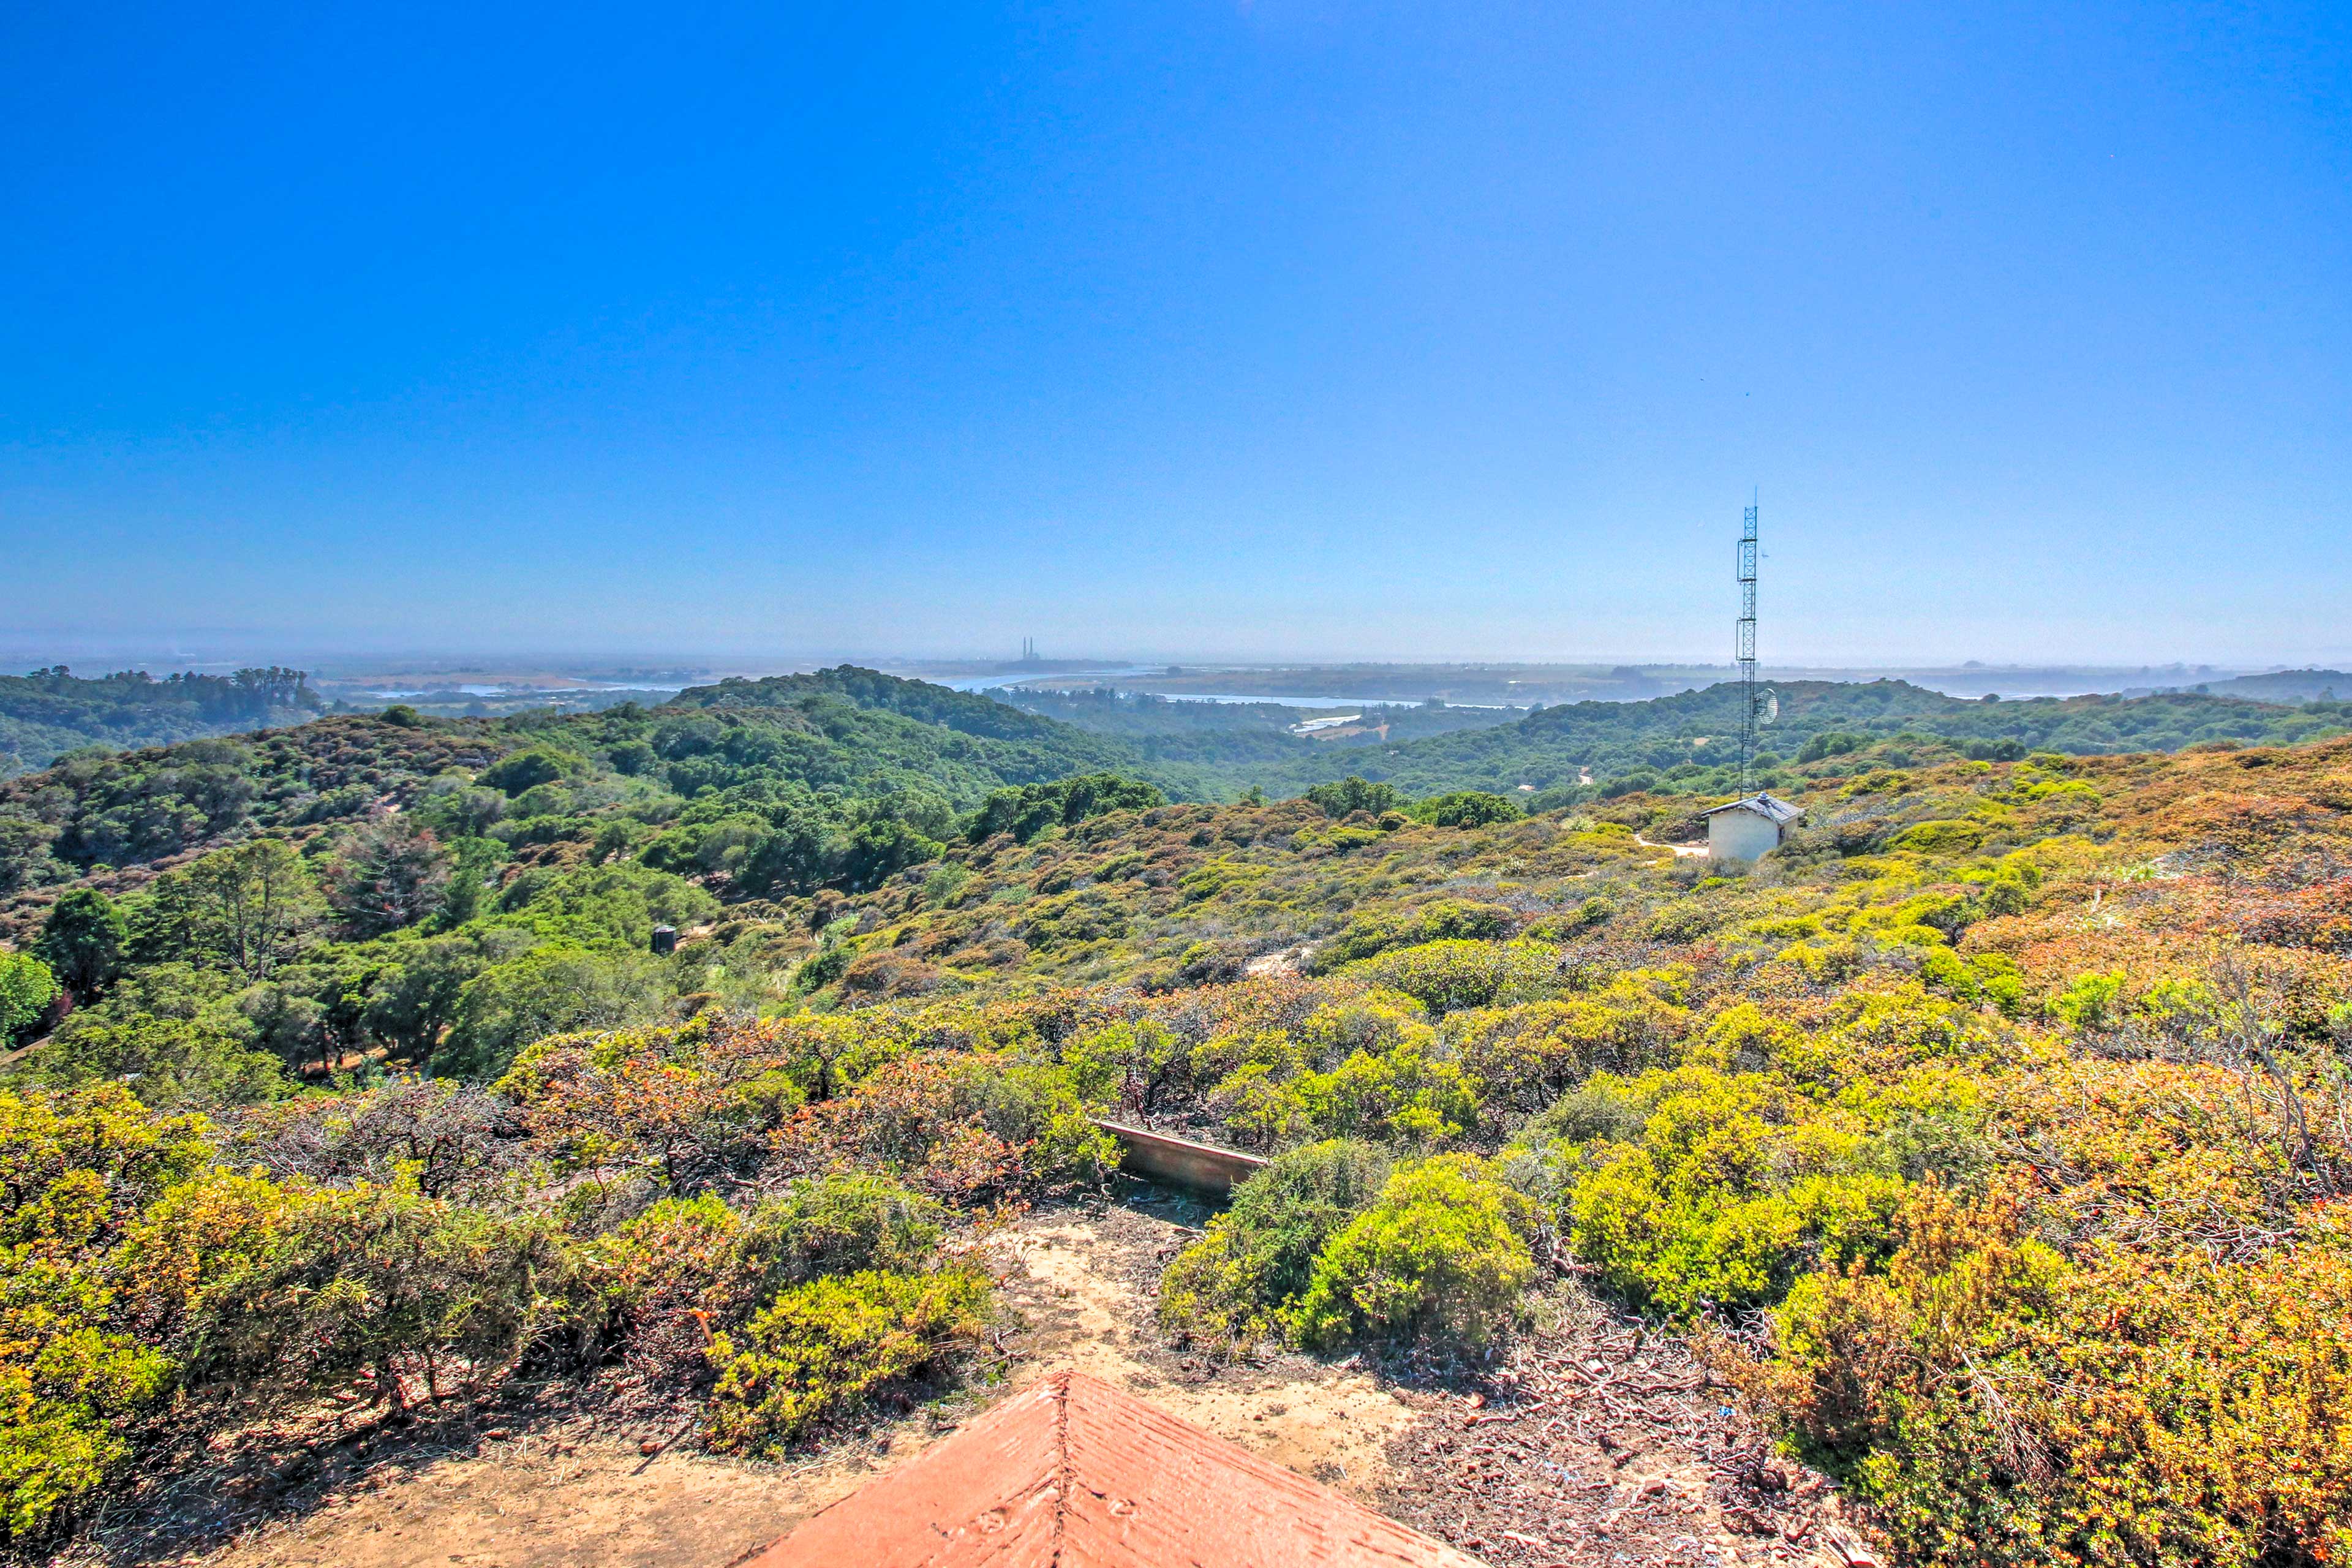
{"x": 18, "y": 656}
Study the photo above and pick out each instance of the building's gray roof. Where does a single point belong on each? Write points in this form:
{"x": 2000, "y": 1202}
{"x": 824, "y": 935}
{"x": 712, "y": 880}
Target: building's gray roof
{"x": 1763, "y": 804}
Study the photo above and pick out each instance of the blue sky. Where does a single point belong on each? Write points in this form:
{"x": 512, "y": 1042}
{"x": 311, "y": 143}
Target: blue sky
{"x": 1298, "y": 328}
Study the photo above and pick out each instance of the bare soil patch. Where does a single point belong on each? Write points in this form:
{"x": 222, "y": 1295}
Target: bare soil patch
{"x": 1537, "y": 1459}
{"x": 1597, "y": 1440}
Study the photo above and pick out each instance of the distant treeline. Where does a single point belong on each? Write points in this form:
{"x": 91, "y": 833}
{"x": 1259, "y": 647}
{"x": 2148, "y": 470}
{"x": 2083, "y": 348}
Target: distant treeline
{"x": 51, "y": 712}
{"x": 1684, "y": 743}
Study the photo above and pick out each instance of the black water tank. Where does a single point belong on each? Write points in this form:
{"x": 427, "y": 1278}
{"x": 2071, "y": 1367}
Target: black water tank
{"x": 665, "y": 940}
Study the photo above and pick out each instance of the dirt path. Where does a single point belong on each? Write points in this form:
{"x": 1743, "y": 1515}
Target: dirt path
{"x": 533, "y": 1486}
{"x": 1528, "y": 1465}
{"x": 1676, "y": 849}
{"x": 1091, "y": 1284}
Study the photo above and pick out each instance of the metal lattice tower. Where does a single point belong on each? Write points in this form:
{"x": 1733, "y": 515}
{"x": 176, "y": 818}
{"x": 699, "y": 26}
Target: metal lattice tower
{"x": 1748, "y": 653}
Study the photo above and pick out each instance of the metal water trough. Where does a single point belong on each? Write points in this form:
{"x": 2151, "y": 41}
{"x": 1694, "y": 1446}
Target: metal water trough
{"x": 1179, "y": 1162}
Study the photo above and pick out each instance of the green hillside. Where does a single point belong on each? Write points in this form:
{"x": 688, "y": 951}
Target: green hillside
{"x": 2284, "y": 685}
{"x": 49, "y": 712}
{"x": 316, "y": 1022}
{"x": 1234, "y": 739}
{"x": 1687, "y": 741}
{"x": 2023, "y": 1075}
{"x": 769, "y": 782}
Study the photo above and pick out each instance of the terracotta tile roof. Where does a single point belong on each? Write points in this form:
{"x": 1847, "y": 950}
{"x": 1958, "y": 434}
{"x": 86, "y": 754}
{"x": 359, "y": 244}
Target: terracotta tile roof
{"x": 1073, "y": 1473}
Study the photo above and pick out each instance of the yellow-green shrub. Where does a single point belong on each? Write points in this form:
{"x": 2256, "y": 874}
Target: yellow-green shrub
{"x": 1442, "y": 1254}
{"x": 1446, "y": 977}
{"x": 652, "y": 1285}
{"x": 1238, "y": 1283}
{"x": 1405, "y": 1095}
{"x": 1733, "y": 1186}
{"x": 77, "y": 1371}
{"x": 1994, "y": 1403}
{"x": 1525, "y": 1057}
{"x": 824, "y": 1348}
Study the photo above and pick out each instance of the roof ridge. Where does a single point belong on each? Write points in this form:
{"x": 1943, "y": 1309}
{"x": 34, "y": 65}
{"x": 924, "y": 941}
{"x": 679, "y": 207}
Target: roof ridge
{"x": 1066, "y": 1474}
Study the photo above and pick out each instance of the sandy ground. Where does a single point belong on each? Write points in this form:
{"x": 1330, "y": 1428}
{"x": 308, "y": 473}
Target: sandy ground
{"x": 528, "y": 1485}
{"x": 534, "y": 1483}
{"x": 1092, "y": 1282}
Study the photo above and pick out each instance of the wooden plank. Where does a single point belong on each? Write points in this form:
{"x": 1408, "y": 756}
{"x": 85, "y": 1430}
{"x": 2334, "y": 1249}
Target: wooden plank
{"x": 1180, "y": 1161}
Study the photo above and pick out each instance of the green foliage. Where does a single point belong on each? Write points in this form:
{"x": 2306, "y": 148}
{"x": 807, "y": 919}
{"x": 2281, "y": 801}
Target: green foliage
{"x": 1442, "y": 919}
{"x": 166, "y": 1062}
{"x": 1675, "y": 743}
{"x": 1447, "y": 976}
{"x": 841, "y": 1224}
{"x": 2126, "y": 973}
{"x": 1129, "y": 1064}
{"x": 1241, "y": 1282}
{"x": 1352, "y": 795}
{"x": 519, "y": 772}
{"x": 26, "y": 989}
{"x": 2090, "y": 1002}
{"x": 551, "y": 990}
{"x": 1464, "y": 809}
{"x": 1525, "y": 1057}
{"x": 83, "y": 940}
{"x": 649, "y": 1288}
{"x": 75, "y": 1376}
{"x": 247, "y": 909}
{"x": 2098, "y": 1413}
{"x": 1030, "y": 809}
{"x": 823, "y": 1350}
{"x": 1405, "y": 1094}
{"x": 1693, "y": 1186}
{"x": 1442, "y": 1255}
{"x": 613, "y": 906}
{"x": 379, "y": 1279}
{"x": 1034, "y": 1108}
{"x": 51, "y": 712}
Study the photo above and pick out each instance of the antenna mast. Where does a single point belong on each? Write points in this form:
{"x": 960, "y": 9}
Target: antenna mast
{"x": 1748, "y": 653}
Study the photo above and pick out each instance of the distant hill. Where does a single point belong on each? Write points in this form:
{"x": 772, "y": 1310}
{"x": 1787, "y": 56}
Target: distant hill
{"x": 966, "y": 712}
{"x": 836, "y": 775}
{"x": 819, "y": 759}
{"x": 2284, "y": 686}
{"x": 51, "y": 712}
{"x": 1230, "y": 736}
{"x": 1688, "y": 740}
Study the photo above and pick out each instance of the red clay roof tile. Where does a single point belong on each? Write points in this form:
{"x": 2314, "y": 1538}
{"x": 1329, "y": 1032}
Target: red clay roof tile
{"x": 1074, "y": 1473}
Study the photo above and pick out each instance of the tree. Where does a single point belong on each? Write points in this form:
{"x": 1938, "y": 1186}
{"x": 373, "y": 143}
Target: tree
{"x": 391, "y": 873}
{"x": 246, "y": 910}
{"x": 548, "y": 991}
{"x": 1467, "y": 808}
{"x": 414, "y": 999}
{"x": 83, "y": 940}
{"x": 1352, "y": 795}
{"x": 169, "y": 1063}
{"x": 1030, "y": 809}
{"x": 528, "y": 769}
{"x": 288, "y": 1024}
{"x": 26, "y": 989}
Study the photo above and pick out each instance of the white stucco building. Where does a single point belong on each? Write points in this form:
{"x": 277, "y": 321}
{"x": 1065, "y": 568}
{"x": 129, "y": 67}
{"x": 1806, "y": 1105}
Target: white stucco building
{"x": 1748, "y": 829}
